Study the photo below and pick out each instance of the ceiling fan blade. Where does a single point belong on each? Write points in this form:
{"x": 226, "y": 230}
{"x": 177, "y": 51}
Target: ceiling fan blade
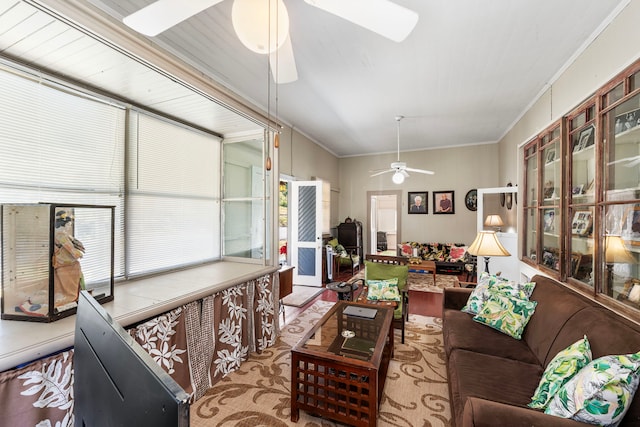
{"x": 157, "y": 17}
{"x": 404, "y": 172}
{"x": 421, "y": 171}
{"x": 283, "y": 63}
{"x": 388, "y": 19}
{"x": 382, "y": 172}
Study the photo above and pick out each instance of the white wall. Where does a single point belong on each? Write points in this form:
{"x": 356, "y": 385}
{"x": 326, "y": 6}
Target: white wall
{"x": 456, "y": 169}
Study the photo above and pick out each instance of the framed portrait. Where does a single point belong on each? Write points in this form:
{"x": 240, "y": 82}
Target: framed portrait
{"x": 582, "y": 223}
{"x": 627, "y": 121}
{"x": 443, "y": 202}
{"x": 631, "y": 225}
{"x": 471, "y": 200}
{"x": 417, "y": 202}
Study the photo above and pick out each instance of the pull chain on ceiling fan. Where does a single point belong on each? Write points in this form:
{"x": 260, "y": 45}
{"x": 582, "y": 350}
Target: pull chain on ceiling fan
{"x": 400, "y": 169}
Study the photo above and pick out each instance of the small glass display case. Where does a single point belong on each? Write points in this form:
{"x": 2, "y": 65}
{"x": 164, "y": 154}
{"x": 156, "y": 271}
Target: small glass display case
{"x": 49, "y": 253}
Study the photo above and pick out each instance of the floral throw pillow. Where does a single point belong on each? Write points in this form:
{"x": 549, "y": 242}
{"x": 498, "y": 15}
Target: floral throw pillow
{"x": 383, "y": 290}
{"x": 600, "y": 393}
{"x": 561, "y": 369}
{"x": 480, "y": 293}
{"x": 506, "y": 314}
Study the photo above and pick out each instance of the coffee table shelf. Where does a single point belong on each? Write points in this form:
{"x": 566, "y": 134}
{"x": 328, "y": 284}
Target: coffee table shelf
{"x": 334, "y": 379}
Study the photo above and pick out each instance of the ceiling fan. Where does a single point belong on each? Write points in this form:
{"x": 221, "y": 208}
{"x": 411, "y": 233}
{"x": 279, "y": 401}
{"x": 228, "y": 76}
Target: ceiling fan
{"x": 263, "y": 25}
{"x": 400, "y": 169}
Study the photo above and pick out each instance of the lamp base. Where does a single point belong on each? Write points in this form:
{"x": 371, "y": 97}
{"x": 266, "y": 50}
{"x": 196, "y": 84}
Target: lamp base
{"x": 486, "y": 264}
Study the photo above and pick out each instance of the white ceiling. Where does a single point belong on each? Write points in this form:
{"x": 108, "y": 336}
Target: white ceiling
{"x": 464, "y": 75}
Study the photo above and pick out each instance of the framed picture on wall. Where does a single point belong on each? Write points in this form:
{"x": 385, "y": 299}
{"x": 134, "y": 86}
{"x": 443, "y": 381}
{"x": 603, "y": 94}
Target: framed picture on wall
{"x": 418, "y": 203}
{"x": 443, "y": 202}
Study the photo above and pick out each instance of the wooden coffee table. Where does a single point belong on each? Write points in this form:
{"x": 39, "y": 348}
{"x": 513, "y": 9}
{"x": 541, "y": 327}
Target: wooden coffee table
{"x": 424, "y": 267}
{"x": 339, "y": 367}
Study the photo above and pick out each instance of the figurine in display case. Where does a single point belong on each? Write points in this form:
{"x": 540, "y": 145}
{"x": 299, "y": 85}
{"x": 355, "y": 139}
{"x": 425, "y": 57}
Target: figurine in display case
{"x": 49, "y": 253}
{"x": 67, "y": 272}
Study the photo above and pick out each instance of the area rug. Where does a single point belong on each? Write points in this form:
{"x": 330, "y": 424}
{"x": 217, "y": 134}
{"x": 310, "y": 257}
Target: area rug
{"x": 301, "y": 295}
{"x": 421, "y": 282}
{"x": 258, "y": 394}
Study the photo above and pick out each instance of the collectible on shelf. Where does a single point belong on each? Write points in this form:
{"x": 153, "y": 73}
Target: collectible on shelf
{"x": 49, "y": 253}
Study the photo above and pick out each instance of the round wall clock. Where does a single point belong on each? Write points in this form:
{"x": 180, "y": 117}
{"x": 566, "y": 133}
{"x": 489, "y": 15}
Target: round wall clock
{"x": 471, "y": 200}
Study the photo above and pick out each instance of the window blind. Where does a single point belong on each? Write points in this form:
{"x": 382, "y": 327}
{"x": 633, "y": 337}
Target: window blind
{"x": 59, "y": 146}
{"x": 173, "y": 209}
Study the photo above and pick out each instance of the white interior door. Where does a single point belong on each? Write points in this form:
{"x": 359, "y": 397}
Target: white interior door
{"x": 306, "y": 232}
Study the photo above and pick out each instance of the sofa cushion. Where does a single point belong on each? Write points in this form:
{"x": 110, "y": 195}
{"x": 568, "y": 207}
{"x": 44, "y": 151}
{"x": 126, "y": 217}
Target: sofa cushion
{"x": 506, "y": 313}
{"x": 560, "y": 370}
{"x": 383, "y": 290}
{"x": 601, "y": 392}
{"x": 461, "y": 332}
{"x": 489, "y": 377}
{"x": 556, "y": 305}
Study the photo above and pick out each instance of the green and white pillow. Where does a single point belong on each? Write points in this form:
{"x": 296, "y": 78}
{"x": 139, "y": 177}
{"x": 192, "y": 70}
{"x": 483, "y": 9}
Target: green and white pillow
{"x": 506, "y": 314}
{"x": 561, "y": 369}
{"x": 600, "y": 393}
{"x": 488, "y": 283}
{"x": 383, "y": 290}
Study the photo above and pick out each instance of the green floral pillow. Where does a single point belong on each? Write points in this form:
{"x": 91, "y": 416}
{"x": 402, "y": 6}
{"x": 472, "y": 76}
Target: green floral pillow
{"x": 506, "y": 314}
{"x": 560, "y": 370}
{"x": 481, "y": 292}
{"x": 383, "y": 290}
{"x": 600, "y": 393}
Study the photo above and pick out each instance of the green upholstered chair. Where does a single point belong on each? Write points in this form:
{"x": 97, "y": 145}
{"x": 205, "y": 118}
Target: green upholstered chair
{"x": 347, "y": 257}
{"x": 379, "y": 267}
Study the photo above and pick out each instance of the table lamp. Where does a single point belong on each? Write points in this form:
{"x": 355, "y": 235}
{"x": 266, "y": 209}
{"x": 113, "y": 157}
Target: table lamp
{"x": 487, "y": 245}
{"x": 615, "y": 252}
{"x": 494, "y": 221}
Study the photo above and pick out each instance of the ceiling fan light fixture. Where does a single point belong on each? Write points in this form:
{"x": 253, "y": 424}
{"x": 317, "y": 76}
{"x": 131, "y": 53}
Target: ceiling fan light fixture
{"x": 398, "y": 178}
{"x": 253, "y": 20}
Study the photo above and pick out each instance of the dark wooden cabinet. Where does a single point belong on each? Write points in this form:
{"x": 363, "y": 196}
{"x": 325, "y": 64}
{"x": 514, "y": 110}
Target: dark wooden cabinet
{"x": 350, "y": 236}
{"x": 286, "y": 280}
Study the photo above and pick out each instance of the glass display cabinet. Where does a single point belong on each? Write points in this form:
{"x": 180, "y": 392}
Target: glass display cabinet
{"x": 49, "y": 253}
{"x": 621, "y": 190}
{"x": 582, "y": 195}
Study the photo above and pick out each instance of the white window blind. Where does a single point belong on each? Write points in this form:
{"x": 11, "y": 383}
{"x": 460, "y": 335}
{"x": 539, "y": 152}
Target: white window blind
{"x": 59, "y": 146}
{"x": 173, "y": 209}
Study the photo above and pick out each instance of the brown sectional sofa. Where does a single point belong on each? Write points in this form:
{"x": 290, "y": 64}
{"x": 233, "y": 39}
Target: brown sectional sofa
{"x": 492, "y": 376}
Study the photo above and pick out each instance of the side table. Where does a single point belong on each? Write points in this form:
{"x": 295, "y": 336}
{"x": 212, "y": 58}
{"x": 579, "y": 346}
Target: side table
{"x": 344, "y": 292}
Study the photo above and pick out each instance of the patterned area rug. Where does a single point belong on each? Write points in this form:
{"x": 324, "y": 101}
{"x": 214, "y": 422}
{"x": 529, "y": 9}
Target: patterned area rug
{"x": 258, "y": 394}
{"x": 423, "y": 282}
{"x": 300, "y": 295}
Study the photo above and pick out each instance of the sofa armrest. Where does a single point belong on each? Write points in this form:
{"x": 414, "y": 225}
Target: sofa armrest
{"x": 487, "y": 413}
{"x": 455, "y": 298}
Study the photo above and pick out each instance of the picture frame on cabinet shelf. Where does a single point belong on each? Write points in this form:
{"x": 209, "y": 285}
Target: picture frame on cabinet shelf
{"x": 627, "y": 121}
{"x": 575, "y": 264}
{"x": 549, "y": 218}
{"x": 585, "y": 139}
{"x": 551, "y": 156}
{"x": 582, "y": 223}
{"x": 631, "y": 225}
{"x": 577, "y": 189}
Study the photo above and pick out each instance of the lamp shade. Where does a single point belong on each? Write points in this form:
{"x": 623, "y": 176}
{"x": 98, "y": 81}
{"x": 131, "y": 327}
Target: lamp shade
{"x": 487, "y": 244}
{"x": 262, "y": 26}
{"x": 493, "y": 221}
{"x": 615, "y": 251}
